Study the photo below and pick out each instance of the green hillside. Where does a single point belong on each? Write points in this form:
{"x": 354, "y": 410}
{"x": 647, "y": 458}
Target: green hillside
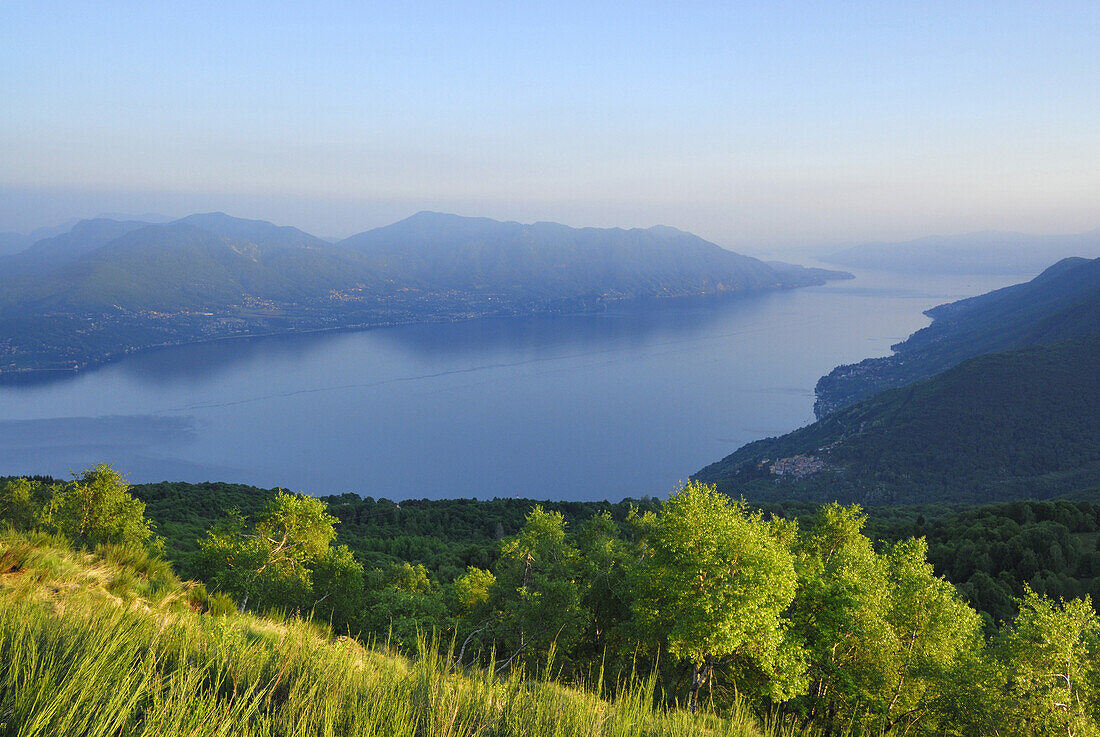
{"x": 1062, "y": 302}
{"x": 989, "y": 552}
{"x": 764, "y": 626}
{"x": 111, "y": 643}
{"x": 1014, "y": 425}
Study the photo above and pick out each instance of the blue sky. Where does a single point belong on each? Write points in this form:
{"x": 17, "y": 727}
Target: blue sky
{"x": 760, "y": 125}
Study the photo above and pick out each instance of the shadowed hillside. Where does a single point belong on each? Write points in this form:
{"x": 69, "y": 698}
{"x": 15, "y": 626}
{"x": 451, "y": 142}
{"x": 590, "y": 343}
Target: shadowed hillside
{"x": 1062, "y": 302}
{"x": 1014, "y": 425}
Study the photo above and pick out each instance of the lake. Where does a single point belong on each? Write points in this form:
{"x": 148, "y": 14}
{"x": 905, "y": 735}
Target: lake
{"x": 620, "y": 403}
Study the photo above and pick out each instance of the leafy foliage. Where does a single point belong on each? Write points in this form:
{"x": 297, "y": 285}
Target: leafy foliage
{"x": 446, "y": 536}
{"x": 991, "y": 553}
{"x": 273, "y": 564}
{"x": 803, "y": 618}
{"x": 536, "y": 594}
{"x": 713, "y": 581}
{"x": 22, "y": 501}
{"x": 95, "y": 508}
{"x": 1051, "y": 662}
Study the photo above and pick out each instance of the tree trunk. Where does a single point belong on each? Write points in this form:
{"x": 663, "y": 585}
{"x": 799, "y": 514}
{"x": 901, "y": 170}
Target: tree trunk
{"x": 830, "y": 719}
{"x": 696, "y": 682}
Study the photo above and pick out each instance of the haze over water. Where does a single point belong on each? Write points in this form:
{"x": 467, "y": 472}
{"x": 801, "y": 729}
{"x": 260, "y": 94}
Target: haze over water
{"x": 593, "y": 406}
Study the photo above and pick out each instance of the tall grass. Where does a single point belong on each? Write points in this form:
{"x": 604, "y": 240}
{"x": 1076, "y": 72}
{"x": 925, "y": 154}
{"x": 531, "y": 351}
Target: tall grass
{"x": 108, "y": 649}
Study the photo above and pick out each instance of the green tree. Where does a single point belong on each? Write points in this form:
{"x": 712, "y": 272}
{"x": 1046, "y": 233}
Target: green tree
{"x": 1051, "y": 661}
{"x": 403, "y": 604}
{"x": 337, "y": 589}
{"x": 840, "y": 616}
{"x": 473, "y": 615}
{"x": 936, "y": 633}
{"x": 472, "y": 588}
{"x": 713, "y": 582}
{"x": 273, "y": 564}
{"x": 605, "y": 571}
{"x": 96, "y": 509}
{"x": 23, "y": 502}
{"x": 536, "y": 599}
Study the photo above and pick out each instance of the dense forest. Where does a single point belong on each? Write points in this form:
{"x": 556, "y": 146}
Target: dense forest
{"x": 799, "y": 614}
{"x": 988, "y": 552}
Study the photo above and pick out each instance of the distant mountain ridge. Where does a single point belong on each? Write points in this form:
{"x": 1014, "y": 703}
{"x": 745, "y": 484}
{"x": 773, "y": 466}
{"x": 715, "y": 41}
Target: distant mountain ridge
{"x": 13, "y": 243}
{"x": 108, "y": 287}
{"x": 48, "y": 253}
{"x": 1062, "y": 302}
{"x": 986, "y": 252}
{"x": 545, "y": 259}
{"x": 254, "y": 231}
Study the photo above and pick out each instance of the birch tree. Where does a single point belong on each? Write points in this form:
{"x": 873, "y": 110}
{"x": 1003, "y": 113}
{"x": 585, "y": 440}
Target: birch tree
{"x": 712, "y": 583}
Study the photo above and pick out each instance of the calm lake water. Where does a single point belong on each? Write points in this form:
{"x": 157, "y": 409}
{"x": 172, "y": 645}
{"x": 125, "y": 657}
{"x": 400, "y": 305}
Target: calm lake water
{"x": 596, "y": 406}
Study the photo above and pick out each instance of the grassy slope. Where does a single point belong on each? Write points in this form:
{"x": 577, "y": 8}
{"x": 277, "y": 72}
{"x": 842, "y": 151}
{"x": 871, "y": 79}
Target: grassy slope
{"x": 114, "y": 644}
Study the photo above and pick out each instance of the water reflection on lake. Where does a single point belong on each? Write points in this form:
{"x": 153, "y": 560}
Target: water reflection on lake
{"x": 620, "y": 403}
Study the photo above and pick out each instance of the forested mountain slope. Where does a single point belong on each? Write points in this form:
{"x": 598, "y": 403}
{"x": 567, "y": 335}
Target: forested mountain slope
{"x": 1013, "y": 425}
{"x": 1062, "y": 302}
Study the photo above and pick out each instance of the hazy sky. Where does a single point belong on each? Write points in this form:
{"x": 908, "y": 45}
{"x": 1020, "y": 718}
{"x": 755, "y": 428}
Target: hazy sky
{"x": 760, "y": 125}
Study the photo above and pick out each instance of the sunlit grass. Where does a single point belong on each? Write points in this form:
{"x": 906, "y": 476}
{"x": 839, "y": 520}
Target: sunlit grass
{"x": 112, "y": 644}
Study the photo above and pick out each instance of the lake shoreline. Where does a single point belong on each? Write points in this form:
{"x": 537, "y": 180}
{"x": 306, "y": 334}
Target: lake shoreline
{"x": 32, "y": 375}
{"x": 593, "y": 405}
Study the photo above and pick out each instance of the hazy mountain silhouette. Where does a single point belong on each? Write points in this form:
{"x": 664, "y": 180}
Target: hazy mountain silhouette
{"x": 987, "y": 252}
{"x": 108, "y": 287}
{"x": 50, "y": 253}
{"x": 259, "y": 232}
{"x": 543, "y": 259}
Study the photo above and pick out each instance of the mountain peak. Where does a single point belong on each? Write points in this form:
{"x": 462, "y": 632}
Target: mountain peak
{"x": 256, "y": 231}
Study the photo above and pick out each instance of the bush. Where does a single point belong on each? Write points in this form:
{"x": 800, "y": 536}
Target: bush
{"x": 220, "y": 605}
{"x": 97, "y": 509}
